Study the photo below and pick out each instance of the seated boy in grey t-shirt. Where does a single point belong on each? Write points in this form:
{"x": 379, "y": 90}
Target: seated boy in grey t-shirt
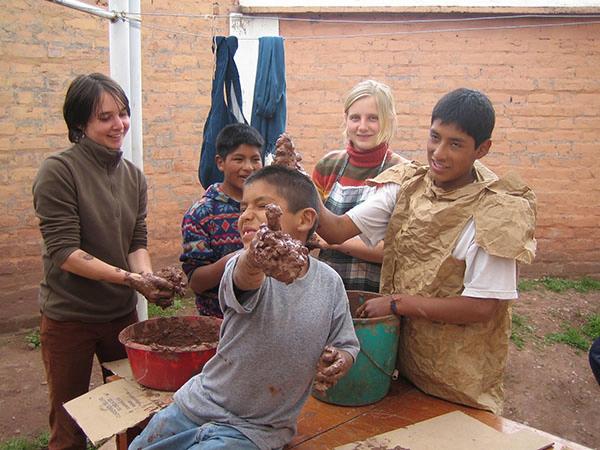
{"x": 277, "y": 337}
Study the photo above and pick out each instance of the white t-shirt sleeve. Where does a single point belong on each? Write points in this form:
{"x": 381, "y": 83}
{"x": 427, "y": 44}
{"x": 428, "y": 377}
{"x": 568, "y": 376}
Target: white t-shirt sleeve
{"x": 373, "y": 215}
{"x": 486, "y": 276}
{"x": 227, "y": 296}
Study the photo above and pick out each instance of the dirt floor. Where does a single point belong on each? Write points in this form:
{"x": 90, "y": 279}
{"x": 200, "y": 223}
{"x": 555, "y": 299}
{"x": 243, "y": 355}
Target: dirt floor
{"x": 551, "y": 386}
{"x": 548, "y": 386}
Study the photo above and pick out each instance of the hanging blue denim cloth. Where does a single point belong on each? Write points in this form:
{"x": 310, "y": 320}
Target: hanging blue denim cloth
{"x": 223, "y": 110}
{"x": 269, "y": 106}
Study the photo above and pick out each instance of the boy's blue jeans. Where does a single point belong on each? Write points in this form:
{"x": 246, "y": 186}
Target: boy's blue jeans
{"x": 171, "y": 429}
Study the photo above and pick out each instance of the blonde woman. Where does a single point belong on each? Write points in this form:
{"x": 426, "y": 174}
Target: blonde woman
{"x": 369, "y": 126}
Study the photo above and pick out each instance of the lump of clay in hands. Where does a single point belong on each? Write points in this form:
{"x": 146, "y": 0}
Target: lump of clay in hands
{"x": 286, "y": 154}
{"x": 273, "y": 213}
{"x": 276, "y": 253}
{"x": 320, "y": 383}
{"x": 175, "y": 276}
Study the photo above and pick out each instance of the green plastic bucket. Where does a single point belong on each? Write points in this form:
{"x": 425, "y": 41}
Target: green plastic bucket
{"x": 369, "y": 379}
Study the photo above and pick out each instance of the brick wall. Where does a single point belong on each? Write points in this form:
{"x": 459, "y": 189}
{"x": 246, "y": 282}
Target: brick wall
{"x": 543, "y": 82}
{"x": 43, "y": 46}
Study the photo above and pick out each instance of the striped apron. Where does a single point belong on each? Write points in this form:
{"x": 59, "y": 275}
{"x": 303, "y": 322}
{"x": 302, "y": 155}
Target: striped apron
{"x": 357, "y": 274}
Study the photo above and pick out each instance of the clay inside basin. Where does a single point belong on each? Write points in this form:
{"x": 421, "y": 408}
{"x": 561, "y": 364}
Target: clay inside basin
{"x": 173, "y": 334}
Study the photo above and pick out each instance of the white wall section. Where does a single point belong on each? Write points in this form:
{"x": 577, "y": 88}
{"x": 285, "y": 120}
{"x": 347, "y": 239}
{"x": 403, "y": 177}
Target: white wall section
{"x": 248, "y": 31}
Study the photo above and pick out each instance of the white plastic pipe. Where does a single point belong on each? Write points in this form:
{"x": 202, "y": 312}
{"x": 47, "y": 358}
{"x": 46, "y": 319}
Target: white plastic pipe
{"x": 135, "y": 99}
{"x": 118, "y": 42}
{"x": 125, "y": 68}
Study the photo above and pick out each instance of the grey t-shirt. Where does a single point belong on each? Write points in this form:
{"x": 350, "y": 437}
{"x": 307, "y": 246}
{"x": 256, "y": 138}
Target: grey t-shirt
{"x": 268, "y": 352}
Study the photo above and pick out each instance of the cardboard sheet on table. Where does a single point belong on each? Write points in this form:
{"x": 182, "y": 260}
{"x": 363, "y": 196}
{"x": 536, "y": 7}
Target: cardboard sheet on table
{"x": 113, "y": 407}
{"x": 120, "y": 367}
{"x": 452, "y": 431}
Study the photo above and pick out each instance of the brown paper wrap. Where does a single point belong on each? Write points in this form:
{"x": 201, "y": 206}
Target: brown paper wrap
{"x": 460, "y": 363}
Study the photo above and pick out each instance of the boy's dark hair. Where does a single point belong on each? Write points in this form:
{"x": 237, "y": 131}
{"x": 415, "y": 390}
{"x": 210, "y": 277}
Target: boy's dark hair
{"x": 468, "y": 109}
{"x": 83, "y": 97}
{"x": 236, "y": 134}
{"x": 297, "y": 188}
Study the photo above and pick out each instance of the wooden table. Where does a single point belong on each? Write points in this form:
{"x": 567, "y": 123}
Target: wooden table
{"x": 322, "y": 426}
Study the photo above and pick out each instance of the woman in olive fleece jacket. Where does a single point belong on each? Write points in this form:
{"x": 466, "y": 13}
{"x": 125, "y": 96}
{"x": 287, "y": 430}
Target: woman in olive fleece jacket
{"x": 91, "y": 206}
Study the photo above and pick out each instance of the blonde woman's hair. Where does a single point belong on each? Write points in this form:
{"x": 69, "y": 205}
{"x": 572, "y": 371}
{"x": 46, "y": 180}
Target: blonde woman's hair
{"x": 386, "y": 109}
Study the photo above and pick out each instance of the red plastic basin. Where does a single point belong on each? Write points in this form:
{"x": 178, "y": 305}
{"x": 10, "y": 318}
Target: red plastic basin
{"x": 166, "y": 352}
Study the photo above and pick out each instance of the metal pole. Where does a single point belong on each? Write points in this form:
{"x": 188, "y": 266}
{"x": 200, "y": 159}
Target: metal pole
{"x": 80, "y": 6}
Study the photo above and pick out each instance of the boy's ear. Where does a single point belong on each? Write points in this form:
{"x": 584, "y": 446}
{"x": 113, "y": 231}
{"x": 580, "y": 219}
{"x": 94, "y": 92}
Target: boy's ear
{"x": 306, "y": 219}
{"x": 483, "y": 148}
{"x": 220, "y": 162}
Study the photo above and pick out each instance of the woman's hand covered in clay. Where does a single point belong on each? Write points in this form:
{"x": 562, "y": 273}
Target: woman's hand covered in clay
{"x": 375, "y": 307}
{"x": 156, "y": 289}
{"x": 317, "y": 241}
{"x": 333, "y": 365}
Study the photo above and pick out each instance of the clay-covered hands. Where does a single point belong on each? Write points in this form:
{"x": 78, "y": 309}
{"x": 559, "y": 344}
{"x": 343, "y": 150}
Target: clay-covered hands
{"x": 286, "y": 154}
{"x": 276, "y": 253}
{"x": 175, "y": 276}
{"x": 333, "y": 365}
{"x": 316, "y": 241}
{"x": 375, "y": 307}
{"x": 156, "y": 289}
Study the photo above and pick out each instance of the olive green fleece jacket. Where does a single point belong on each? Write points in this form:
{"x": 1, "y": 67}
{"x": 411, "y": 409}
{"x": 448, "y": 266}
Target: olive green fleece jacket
{"x": 90, "y": 198}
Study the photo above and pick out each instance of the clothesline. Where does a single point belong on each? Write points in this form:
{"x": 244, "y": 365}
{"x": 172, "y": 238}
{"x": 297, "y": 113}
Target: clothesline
{"x": 342, "y": 21}
{"x": 387, "y": 34}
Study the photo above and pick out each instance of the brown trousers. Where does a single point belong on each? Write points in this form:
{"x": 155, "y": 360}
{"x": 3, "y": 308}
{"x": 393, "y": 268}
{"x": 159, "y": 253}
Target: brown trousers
{"x": 68, "y": 350}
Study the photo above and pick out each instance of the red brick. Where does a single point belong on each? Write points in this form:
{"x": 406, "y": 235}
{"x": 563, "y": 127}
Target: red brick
{"x": 543, "y": 83}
